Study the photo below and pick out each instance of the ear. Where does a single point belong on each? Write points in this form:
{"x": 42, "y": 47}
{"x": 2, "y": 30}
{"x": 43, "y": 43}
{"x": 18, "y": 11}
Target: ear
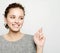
{"x": 5, "y": 20}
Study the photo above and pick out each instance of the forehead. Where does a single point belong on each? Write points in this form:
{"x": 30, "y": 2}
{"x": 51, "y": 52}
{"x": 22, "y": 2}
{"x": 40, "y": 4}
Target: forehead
{"x": 16, "y": 11}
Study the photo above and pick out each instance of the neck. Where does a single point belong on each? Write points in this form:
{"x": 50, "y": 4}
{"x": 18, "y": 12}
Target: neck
{"x": 14, "y": 35}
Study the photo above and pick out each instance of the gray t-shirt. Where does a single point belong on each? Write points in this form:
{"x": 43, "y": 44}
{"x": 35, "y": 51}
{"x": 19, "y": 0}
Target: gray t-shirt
{"x": 24, "y": 45}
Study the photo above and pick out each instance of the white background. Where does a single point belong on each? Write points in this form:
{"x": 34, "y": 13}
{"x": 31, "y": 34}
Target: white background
{"x": 39, "y": 13}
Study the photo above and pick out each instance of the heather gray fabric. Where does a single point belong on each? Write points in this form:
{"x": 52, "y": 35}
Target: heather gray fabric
{"x": 25, "y": 45}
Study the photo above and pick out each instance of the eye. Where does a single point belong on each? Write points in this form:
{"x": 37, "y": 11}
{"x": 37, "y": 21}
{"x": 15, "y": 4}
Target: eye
{"x": 21, "y": 18}
{"x": 12, "y": 17}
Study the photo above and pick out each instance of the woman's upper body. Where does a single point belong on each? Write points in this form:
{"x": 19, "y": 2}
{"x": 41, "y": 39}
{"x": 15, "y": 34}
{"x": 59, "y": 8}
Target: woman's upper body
{"x": 24, "y": 45}
{"x": 14, "y": 19}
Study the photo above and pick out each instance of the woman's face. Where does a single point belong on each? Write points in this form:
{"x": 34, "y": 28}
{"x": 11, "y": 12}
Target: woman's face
{"x": 15, "y": 19}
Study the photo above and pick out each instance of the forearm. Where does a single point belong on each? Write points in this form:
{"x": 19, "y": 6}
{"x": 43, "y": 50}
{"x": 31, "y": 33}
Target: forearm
{"x": 39, "y": 50}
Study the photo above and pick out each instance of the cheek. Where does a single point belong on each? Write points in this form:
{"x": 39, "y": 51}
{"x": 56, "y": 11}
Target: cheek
{"x": 9, "y": 22}
{"x": 22, "y": 21}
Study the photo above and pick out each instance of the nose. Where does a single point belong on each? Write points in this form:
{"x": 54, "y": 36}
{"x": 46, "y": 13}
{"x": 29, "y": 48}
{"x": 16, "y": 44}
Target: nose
{"x": 16, "y": 20}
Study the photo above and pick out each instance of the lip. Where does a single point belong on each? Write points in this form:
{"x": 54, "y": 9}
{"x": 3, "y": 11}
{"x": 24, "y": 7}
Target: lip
{"x": 16, "y": 26}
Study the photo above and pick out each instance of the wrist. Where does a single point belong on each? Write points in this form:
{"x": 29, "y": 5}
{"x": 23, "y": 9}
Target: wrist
{"x": 40, "y": 46}
{"x": 39, "y": 49}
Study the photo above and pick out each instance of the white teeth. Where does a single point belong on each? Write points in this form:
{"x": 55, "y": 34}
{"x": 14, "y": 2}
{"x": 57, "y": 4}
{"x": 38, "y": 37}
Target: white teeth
{"x": 15, "y": 25}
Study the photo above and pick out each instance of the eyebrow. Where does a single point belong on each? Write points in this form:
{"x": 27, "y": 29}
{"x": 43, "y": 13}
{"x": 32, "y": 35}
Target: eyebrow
{"x": 14, "y": 15}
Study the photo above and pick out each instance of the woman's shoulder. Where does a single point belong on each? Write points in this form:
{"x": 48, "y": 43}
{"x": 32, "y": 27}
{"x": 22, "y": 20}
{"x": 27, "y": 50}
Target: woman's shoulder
{"x": 29, "y": 36}
{"x": 30, "y": 41}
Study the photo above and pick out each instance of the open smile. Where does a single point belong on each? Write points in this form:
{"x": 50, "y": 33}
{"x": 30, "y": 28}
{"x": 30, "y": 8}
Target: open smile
{"x": 16, "y": 25}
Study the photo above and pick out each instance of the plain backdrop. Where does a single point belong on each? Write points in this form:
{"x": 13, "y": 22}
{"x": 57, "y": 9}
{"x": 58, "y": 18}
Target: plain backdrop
{"x": 39, "y": 13}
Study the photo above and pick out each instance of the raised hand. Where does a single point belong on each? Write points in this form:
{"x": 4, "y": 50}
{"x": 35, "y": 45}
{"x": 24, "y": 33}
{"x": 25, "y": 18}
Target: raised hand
{"x": 39, "y": 38}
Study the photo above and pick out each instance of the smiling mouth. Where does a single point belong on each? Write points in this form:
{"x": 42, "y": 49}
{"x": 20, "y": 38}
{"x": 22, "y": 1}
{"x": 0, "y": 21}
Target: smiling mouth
{"x": 16, "y": 26}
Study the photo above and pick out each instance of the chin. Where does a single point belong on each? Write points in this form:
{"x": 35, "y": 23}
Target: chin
{"x": 15, "y": 30}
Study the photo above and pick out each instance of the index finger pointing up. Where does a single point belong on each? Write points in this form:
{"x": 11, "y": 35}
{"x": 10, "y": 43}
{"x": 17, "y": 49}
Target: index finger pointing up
{"x": 40, "y": 30}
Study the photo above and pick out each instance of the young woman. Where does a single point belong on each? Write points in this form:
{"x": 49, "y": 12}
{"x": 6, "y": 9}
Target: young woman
{"x": 15, "y": 41}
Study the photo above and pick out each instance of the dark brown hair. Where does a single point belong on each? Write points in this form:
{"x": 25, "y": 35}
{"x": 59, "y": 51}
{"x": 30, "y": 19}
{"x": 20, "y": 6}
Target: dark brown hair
{"x": 13, "y": 5}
